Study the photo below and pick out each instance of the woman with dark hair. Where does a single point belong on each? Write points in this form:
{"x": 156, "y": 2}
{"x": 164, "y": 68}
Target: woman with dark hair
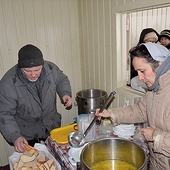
{"x": 147, "y": 35}
{"x": 152, "y": 63}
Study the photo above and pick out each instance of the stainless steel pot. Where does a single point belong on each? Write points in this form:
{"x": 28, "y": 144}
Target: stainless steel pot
{"x": 113, "y": 149}
{"x": 76, "y": 139}
{"x": 89, "y": 100}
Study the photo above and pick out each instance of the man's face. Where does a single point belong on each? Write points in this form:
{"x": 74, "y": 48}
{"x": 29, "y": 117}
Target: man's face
{"x": 32, "y": 73}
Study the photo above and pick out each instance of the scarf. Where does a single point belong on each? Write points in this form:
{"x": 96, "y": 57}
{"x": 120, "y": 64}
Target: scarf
{"x": 165, "y": 66}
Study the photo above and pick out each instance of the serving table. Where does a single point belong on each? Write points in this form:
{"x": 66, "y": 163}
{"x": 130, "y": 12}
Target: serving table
{"x": 67, "y": 162}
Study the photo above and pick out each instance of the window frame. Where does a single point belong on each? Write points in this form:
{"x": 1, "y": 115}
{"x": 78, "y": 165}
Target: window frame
{"x": 126, "y": 37}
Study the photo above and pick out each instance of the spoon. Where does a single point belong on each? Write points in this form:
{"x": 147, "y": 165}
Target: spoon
{"x": 77, "y": 139}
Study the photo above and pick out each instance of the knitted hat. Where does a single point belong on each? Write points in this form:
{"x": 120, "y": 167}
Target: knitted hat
{"x": 30, "y": 56}
{"x": 157, "y": 51}
{"x": 165, "y": 33}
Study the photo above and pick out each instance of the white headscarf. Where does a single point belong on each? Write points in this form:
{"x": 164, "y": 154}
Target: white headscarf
{"x": 157, "y": 51}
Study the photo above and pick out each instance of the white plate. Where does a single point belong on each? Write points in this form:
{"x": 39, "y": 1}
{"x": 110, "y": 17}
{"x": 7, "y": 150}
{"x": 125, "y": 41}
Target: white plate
{"x": 75, "y": 153}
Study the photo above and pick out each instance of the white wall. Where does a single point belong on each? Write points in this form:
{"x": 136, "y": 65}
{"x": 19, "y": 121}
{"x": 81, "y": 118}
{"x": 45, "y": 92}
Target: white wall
{"x": 52, "y": 25}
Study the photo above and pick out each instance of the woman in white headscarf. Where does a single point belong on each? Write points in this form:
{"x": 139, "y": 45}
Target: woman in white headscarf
{"x": 147, "y": 35}
{"x": 152, "y": 62}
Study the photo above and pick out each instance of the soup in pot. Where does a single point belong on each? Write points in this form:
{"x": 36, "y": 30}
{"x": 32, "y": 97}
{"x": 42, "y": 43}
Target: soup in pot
{"x": 113, "y": 165}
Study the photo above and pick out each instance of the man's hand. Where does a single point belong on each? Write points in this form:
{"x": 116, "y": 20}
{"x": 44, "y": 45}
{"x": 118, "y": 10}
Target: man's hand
{"x": 19, "y": 144}
{"x": 67, "y": 101}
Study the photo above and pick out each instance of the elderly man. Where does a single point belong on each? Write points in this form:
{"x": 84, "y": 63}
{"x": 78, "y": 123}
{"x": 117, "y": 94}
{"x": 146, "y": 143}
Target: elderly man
{"x": 28, "y": 91}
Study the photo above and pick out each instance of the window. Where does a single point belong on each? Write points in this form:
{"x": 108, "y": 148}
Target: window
{"x": 136, "y": 21}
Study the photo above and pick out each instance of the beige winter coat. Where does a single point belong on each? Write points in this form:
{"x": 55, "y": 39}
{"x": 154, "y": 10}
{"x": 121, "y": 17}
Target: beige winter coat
{"x": 153, "y": 108}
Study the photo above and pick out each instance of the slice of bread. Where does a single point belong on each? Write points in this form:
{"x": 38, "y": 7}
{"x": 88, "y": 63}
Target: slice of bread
{"x": 31, "y": 164}
{"x": 25, "y": 158}
{"x": 36, "y": 168}
{"x": 46, "y": 166}
{"x": 25, "y": 168}
{"x": 50, "y": 163}
{"x": 15, "y": 165}
{"x": 29, "y": 151}
{"x": 53, "y": 168}
{"x": 42, "y": 167}
{"x": 19, "y": 164}
{"x": 41, "y": 158}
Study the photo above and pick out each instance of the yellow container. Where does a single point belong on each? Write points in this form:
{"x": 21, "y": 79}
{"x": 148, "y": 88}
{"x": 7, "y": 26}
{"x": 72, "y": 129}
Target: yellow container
{"x": 60, "y": 135}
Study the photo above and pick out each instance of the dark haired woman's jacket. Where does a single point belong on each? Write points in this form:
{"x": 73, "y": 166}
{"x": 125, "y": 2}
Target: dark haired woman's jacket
{"x": 153, "y": 108}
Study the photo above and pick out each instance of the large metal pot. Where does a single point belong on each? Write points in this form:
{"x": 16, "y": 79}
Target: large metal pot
{"x": 89, "y": 100}
{"x": 113, "y": 149}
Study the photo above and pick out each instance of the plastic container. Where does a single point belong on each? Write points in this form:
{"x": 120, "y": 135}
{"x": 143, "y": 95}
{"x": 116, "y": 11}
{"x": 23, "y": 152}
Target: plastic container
{"x": 84, "y": 121}
{"x": 60, "y": 135}
{"x": 105, "y": 129}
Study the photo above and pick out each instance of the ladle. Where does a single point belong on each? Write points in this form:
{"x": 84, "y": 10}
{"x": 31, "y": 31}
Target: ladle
{"x": 76, "y": 139}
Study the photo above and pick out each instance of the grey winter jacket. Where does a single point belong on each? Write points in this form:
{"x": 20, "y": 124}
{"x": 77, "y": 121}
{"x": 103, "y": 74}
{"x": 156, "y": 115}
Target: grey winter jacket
{"x": 153, "y": 108}
{"x": 25, "y": 113}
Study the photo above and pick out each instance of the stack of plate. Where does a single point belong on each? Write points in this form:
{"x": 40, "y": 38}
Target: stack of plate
{"x": 74, "y": 153}
{"x": 124, "y": 130}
